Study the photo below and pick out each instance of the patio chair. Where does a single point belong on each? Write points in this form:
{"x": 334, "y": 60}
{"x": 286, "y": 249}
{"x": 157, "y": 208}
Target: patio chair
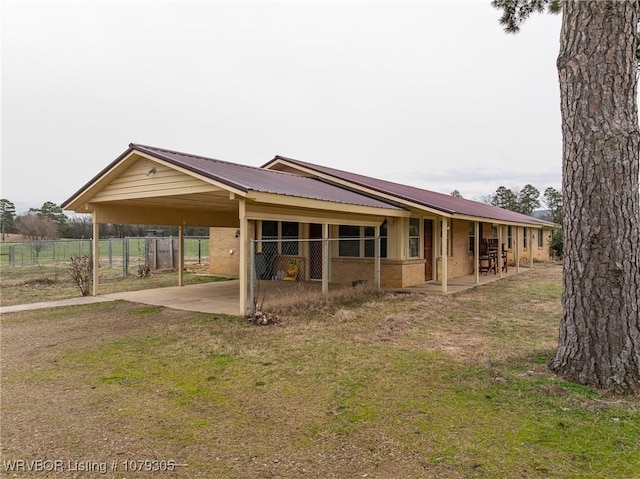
{"x": 484, "y": 258}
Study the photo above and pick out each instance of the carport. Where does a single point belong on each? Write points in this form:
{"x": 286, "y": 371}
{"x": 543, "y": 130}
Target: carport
{"x": 148, "y": 185}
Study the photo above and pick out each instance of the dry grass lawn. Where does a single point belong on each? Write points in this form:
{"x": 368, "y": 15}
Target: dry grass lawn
{"x": 388, "y": 386}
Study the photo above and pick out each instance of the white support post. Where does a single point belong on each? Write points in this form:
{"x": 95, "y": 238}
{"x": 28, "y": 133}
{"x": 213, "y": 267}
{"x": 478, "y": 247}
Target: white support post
{"x": 244, "y": 252}
{"x": 376, "y": 248}
{"x": 530, "y": 247}
{"x": 444, "y": 251}
{"x": 517, "y": 249}
{"x": 325, "y": 260}
{"x": 96, "y": 252}
{"x": 476, "y": 250}
{"x": 180, "y": 255}
{"x": 499, "y": 258}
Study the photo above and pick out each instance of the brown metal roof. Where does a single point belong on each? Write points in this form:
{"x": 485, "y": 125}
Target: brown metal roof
{"x": 248, "y": 178}
{"x": 431, "y": 199}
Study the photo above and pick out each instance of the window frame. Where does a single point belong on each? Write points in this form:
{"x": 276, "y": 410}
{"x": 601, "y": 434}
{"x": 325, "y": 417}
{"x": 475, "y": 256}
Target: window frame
{"x": 413, "y": 240}
{"x": 540, "y": 238}
{"x": 366, "y": 241}
{"x": 282, "y": 241}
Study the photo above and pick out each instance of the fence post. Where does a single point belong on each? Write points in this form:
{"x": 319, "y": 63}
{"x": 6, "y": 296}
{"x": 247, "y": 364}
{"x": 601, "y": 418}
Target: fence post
{"x": 125, "y": 257}
{"x": 252, "y": 276}
{"x": 110, "y": 254}
{"x": 12, "y": 255}
{"x": 199, "y": 250}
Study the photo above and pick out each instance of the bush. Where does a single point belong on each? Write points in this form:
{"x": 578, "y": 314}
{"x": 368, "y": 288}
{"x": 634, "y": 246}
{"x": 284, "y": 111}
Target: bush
{"x": 556, "y": 243}
{"x": 81, "y": 270}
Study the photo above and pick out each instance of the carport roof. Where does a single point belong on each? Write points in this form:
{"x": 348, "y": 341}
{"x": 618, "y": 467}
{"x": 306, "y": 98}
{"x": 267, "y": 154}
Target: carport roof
{"x": 245, "y": 178}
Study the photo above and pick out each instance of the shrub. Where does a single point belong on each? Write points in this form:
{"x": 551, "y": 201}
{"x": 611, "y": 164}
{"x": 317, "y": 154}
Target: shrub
{"x": 81, "y": 270}
{"x": 556, "y": 243}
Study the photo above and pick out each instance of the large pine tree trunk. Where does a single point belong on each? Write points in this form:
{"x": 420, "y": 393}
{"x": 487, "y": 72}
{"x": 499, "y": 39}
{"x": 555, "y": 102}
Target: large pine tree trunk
{"x": 599, "y": 341}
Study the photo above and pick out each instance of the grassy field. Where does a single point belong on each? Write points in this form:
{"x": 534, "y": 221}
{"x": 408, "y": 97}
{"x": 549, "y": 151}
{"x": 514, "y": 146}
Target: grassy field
{"x": 111, "y": 251}
{"x": 393, "y": 386}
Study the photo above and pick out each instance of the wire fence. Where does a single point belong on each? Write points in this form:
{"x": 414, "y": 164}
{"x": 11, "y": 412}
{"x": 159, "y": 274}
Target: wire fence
{"x": 122, "y": 256}
{"x": 310, "y": 269}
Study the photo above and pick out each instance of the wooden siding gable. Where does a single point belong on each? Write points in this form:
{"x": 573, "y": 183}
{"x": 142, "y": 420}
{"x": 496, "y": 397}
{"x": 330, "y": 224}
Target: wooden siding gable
{"x": 144, "y": 179}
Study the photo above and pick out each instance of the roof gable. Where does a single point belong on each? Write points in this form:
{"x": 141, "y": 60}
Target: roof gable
{"x": 236, "y": 178}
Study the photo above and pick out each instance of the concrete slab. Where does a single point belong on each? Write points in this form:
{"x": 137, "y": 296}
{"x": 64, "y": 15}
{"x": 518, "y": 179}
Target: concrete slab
{"x": 215, "y": 298}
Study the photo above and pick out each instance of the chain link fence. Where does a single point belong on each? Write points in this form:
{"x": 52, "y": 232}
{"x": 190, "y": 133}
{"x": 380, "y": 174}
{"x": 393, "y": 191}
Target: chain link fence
{"x": 306, "y": 270}
{"x": 120, "y": 256}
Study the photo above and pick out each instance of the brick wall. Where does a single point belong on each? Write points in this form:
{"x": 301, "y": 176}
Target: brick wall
{"x": 346, "y": 270}
{"x": 393, "y": 273}
{"x": 224, "y": 251}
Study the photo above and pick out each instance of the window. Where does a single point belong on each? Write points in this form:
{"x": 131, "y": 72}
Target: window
{"x": 270, "y": 232}
{"x": 509, "y": 237}
{"x": 524, "y": 237}
{"x": 383, "y": 239}
{"x": 540, "y": 242}
{"x": 369, "y": 242}
{"x": 273, "y": 230}
{"x": 359, "y": 241}
{"x": 414, "y": 237}
{"x": 350, "y": 246}
{"x": 449, "y": 238}
{"x": 290, "y": 230}
{"x": 472, "y": 236}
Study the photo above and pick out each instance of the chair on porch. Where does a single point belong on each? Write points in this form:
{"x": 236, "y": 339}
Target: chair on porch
{"x": 484, "y": 258}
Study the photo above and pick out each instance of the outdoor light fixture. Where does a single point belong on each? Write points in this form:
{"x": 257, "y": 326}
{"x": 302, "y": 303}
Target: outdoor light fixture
{"x": 237, "y": 233}
{"x": 152, "y": 170}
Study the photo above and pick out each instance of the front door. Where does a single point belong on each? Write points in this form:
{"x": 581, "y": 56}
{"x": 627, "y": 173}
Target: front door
{"x": 315, "y": 251}
{"x": 428, "y": 250}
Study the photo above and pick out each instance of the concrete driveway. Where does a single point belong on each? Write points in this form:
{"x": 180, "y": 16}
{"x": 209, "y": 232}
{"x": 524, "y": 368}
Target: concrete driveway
{"x": 216, "y": 298}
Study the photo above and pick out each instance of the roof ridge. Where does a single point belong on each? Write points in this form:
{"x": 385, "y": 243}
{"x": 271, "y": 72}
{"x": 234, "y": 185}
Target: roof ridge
{"x": 200, "y": 157}
{"x": 364, "y": 181}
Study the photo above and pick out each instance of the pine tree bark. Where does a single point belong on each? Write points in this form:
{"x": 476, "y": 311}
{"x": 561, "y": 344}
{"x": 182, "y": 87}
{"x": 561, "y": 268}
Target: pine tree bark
{"x": 599, "y": 336}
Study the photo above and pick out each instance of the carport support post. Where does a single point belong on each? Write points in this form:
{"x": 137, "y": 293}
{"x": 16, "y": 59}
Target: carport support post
{"x": 244, "y": 247}
{"x": 95, "y": 244}
{"x": 476, "y": 250}
{"x": 180, "y": 255}
{"x": 325, "y": 260}
{"x": 445, "y": 251}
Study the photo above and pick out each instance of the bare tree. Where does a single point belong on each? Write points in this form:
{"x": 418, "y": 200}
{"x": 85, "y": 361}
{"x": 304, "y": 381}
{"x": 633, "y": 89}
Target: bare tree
{"x": 37, "y": 230}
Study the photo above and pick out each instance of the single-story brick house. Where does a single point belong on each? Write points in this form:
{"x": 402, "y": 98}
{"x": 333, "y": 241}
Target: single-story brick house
{"x": 424, "y": 235}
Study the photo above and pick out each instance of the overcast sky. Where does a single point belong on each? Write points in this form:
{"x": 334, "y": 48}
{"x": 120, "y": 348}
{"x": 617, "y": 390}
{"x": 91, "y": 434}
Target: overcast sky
{"x": 428, "y": 93}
